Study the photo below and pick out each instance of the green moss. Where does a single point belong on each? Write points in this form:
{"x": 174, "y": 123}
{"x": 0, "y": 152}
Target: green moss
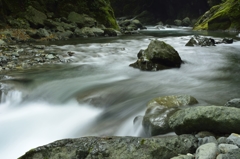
{"x": 142, "y": 141}
{"x": 221, "y": 17}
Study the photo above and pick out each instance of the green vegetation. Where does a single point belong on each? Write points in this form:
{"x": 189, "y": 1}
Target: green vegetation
{"x": 224, "y": 16}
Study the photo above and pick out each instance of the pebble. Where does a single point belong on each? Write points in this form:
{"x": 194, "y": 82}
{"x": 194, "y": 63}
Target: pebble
{"x": 207, "y": 151}
{"x": 234, "y": 139}
{"x": 225, "y": 148}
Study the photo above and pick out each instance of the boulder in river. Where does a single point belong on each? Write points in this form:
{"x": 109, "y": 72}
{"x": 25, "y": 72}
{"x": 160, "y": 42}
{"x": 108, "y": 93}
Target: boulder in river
{"x": 216, "y": 119}
{"x": 155, "y": 120}
{"x": 157, "y": 56}
{"x": 116, "y": 147}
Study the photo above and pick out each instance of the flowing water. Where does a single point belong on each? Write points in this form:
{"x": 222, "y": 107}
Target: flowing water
{"x": 99, "y": 94}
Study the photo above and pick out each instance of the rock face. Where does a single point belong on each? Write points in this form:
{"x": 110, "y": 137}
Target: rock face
{"x": 36, "y": 12}
{"x": 157, "y": 56}
{"x": 217, "y": 119}
{"x": 115, "y": 147}
{"x": 224, "y": 16}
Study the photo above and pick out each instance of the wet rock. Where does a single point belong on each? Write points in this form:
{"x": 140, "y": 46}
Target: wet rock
{"x": 155, "y": 121}
{"x": 115, "y": 147}
{"x": 227, "y": 40}
{"x": 216, "y": 119}
{"x": 82, "y": 20}
{"x": 110, "y": 32}
{"x": 200, "y": 41}
{"x": 50, "y": 56}
{"x": 225, "y": 148}
{"x": 207, "y": 151}
{"x": 233, "y": 103}
{"x": 192, "y": 42}
{"x": 173, "y": 101}
{"x": 157, "y": 56}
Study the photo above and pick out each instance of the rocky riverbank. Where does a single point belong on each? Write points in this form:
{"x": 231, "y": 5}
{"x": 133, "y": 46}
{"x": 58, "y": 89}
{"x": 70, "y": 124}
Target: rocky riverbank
{"x": 205, "y": 132}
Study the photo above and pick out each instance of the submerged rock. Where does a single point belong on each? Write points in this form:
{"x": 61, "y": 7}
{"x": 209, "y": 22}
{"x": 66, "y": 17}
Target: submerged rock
{"x": 157, "y": 56}
{"x": 216, "y": 119}
{"x": 115, "y": 147}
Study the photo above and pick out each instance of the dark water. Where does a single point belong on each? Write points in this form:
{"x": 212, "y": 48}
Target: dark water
{"x": 99, "y": 94}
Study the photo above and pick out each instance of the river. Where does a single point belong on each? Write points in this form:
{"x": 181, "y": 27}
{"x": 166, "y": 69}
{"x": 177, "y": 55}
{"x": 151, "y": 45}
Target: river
{"x": 99, "y": 94}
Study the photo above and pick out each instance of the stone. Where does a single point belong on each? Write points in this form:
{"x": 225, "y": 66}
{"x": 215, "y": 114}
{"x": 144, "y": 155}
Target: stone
{"x": 115, "y": 147}
{"x": 207, "y": 151}
{"x": 82, "y": 20}
{"x": 197, "y": 40}
{"x": 227, "y": 40}
{"x": 86, "y": 31}
{"x": 233, "y": 154}
{"x": 225, "y": 148}
{"x": 222, "y": 140}
{"x": 216, "y": 119}
{"x": 205, "y": 140}
{"x": 156, "y": 122}
{"x": 173, "y": 101}
{"x": 188, "y": 156}
{"x": 178, "y": 22}
{"x": 203, "y": 134}
{"x": 157, "y": 56}
{"x": 35, "y": 17}
{"x": 110, "y": 32}
{"x": 186, "y": 21}
{"x": 2, "y": 42}
{"x": 234, "y": 139}
{"x": 191, "y": 42}
{"x": 42, "y": 33}
{"x": 233, "y": 103}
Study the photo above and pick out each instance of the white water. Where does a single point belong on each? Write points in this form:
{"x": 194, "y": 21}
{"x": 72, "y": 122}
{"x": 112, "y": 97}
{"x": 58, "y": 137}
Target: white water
{"x": 109, "y": 92}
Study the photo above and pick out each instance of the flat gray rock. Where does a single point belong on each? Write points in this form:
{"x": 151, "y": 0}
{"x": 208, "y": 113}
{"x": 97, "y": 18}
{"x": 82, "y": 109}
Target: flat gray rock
{"x": 115, "y": 148}
{"x": 216, "y": 119}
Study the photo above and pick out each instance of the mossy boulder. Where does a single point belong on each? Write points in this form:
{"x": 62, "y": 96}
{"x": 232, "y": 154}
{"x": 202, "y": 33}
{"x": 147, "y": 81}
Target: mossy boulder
{"x": 158, "y": 56}
{"x": 100, "y": 10}
{"x": 224, "y": 16}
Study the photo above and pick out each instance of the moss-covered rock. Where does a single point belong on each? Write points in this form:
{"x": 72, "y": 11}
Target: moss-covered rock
{"x": 224, "y": 16}
{"x": 100, "y": 10}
